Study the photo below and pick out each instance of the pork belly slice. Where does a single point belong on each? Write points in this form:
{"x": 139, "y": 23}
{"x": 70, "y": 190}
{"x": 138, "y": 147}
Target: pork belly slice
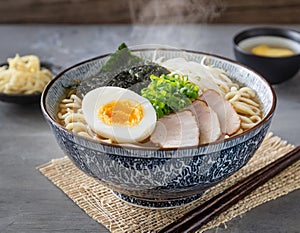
{"x": 230, "y": 121}
{"x": 207, "y": 120}
{"x": 176, "y": 130}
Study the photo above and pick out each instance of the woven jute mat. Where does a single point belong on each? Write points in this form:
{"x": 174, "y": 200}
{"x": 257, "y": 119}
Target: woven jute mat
{"x": 117, "y": 216}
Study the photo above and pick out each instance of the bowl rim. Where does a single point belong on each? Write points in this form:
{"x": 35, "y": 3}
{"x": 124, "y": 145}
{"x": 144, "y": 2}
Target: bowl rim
{"x": 287, "y": 33}
{"x": 135, "y": 148}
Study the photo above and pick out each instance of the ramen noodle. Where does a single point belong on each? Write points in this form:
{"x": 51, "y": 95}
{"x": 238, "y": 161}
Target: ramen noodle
{"x": 245, "y": 103}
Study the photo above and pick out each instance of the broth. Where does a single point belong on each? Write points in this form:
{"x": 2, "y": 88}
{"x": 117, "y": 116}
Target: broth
{"x": 270, "y": 46}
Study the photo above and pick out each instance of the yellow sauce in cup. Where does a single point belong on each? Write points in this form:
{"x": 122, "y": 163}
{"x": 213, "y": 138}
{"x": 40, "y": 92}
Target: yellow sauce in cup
{"x": 266, "y": 51}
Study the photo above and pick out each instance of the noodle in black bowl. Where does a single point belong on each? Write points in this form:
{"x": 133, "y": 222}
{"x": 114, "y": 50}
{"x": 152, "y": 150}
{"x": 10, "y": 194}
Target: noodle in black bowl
{"x": 34, "y": 98}
{"x": 146, "y": 175}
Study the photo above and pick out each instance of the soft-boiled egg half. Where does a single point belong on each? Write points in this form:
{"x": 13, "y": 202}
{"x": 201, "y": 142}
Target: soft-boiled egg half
{"x": 119, "y": 114}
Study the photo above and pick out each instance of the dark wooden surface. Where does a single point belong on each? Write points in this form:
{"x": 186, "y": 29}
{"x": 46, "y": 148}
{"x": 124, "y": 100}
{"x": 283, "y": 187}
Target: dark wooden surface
{"x": 29, "y": 203}
{"x": 150, "y": 11}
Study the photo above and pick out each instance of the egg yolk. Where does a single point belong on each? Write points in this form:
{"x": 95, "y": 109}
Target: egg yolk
{"x": 124, "y": 112}
{"x": 264, "y": 50}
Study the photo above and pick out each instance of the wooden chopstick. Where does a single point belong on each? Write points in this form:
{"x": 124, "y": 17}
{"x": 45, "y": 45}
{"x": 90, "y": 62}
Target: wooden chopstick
{"x": 202, "y": 214}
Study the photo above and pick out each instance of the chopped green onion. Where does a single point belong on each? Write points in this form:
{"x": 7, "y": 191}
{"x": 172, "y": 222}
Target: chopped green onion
{"x": 170, "y": 93}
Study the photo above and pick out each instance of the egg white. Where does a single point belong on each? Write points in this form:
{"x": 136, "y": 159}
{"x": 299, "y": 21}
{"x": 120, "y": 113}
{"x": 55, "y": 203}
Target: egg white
{"x": 98, "y": 97}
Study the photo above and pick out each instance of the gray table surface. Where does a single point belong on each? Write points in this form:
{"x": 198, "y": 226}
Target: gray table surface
{"x": 29, "y": 203}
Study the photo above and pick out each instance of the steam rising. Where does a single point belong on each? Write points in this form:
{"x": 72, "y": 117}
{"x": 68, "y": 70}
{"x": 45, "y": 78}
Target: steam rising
{"x": 175, "y": 11}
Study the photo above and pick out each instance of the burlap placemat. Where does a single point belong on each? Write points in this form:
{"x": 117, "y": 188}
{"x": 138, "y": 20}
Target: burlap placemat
{"x": 117, "y": 216}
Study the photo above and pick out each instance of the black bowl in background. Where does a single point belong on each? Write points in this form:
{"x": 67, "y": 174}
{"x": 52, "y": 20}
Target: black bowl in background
{"x": 28, "y": 98}
{"x": 274, "y": 69}
{"x": 20, "y": 98}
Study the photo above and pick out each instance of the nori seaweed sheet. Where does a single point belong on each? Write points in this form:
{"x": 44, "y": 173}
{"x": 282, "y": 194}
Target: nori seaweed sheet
{"x": 123, "y": 69}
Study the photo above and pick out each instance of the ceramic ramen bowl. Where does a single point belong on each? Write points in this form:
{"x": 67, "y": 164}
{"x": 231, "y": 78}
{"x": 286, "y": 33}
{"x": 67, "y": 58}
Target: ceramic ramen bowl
{"x": 159, "y": 178}
{"x": 275, "y": 69}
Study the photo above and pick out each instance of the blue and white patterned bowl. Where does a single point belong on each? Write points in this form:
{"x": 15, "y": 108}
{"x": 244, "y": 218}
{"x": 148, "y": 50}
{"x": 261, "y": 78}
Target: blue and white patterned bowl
{"x": 165, "y": 177}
